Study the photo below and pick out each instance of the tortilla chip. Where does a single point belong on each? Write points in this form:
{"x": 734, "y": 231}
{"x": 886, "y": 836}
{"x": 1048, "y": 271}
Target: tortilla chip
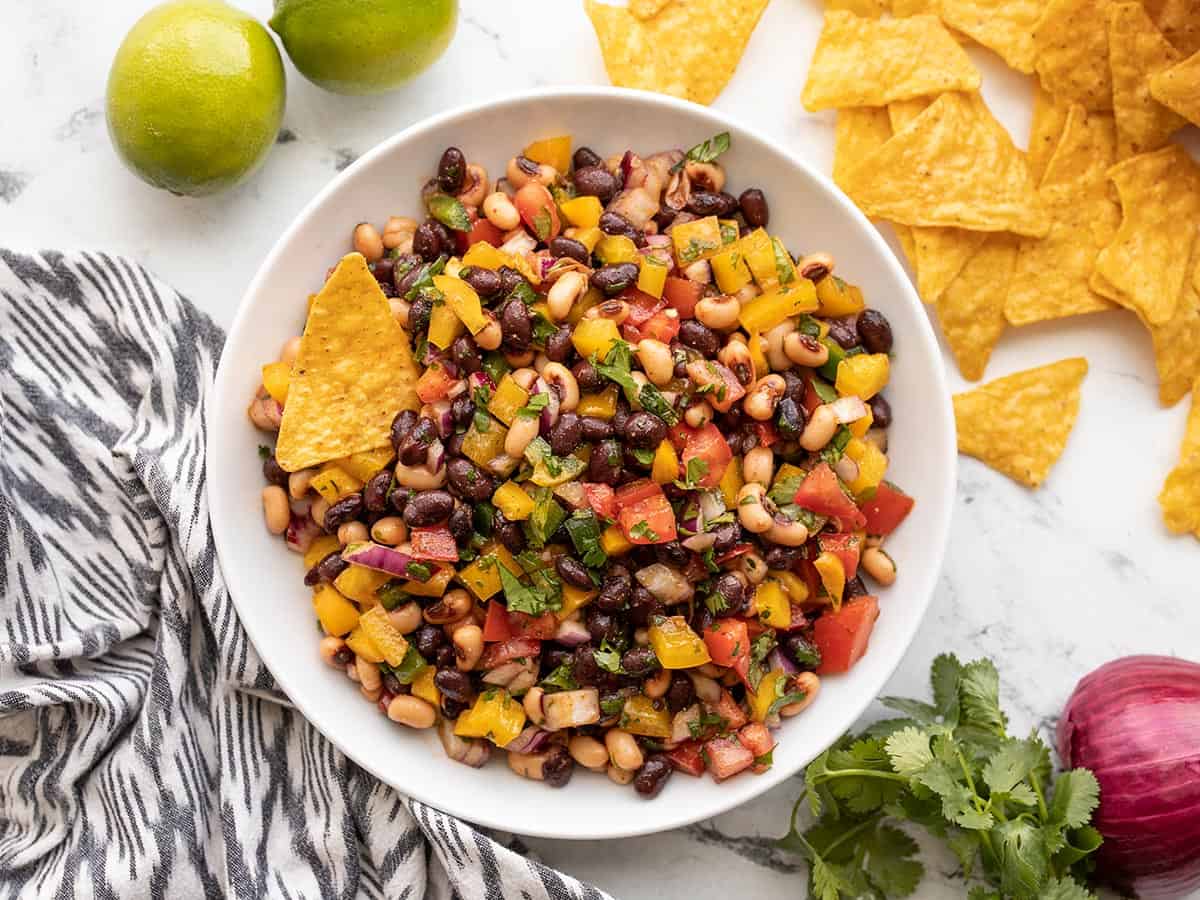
{"x": 871, "y": 62}
{"x": 1051, "y": 278}
{"x": 1071, "y": 40}
{"x": 1179, "y": 22}
{"x": 354, "y": 372}
{"x": 955, "y": 165}
{"x": 1019, "y": 424}
{"x": 1045, "y": 130}
{"x": 1005, "y": 26}
{"x": 904, "y": 8}
{"x": 1149, "y": 259}
{"x": 688, "y": 50}
{"x": 971, "y": 309}
{"x": 1178, "y": 88}
{"x": 1177, "y": 345}
{"x": 904, "y": 235}
{"x": 647, "y": 9}
{"x": 870, "y": 9}
{"x": 1136, "y": 50}
{"x": 1180, "y": 496}
{"x": 859, "y": 132}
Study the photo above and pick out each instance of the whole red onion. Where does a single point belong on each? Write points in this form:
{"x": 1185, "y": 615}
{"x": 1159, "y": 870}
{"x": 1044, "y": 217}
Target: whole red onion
{"x": 1135, "y": 722}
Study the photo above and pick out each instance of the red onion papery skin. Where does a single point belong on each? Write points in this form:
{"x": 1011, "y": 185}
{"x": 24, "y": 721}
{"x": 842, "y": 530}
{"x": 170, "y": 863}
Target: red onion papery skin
{"x": 1135, "y": 722}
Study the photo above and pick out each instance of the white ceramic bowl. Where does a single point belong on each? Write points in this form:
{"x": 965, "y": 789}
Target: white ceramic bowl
{"x": 265, "y": 578}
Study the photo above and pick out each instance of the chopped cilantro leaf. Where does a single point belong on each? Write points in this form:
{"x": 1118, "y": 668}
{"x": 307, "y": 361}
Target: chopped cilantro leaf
{"x": 526, "y": 598}
{"x": 705, "y": 151}
{"x": 642, "y": 530}
{"x": 561, "y": 679}
{"x": 608, "y": 658}
{"x": 584, "y": 531}
{"x": 643, "y": 455}
{"x": 264, "y": 452}
{"x": 534, "y": 407}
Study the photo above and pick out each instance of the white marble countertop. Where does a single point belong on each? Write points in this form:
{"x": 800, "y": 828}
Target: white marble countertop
{"x": 1050, "y": 584}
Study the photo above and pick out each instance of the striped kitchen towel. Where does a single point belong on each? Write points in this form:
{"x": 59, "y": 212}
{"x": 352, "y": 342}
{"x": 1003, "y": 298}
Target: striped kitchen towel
{"x": 144, "y": 750}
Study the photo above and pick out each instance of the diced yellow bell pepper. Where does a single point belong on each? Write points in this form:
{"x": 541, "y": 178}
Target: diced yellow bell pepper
{"x": 454, "y": 265}
{"x": 666, "y": 463}
{"x": 731, "y": 483}
{"x": 583, "y": 212}
{"x": 872, "y": 466}
{"x": 838, "y": 298}
{"x": 595, "y": 336}
{"x": 574, "y": 598}
{"x": 613, "y": 541}
{"x": 758, "y": 354}
{"x": 859, "y": 427}
{"x": 771, "y": 604}
{"x": 833, "y": 575}
{"x": 616, "y": 248}
{"x": 276, "y": 377}
{"x": 589, "y": 237}
{"x": 652, "y": 276}
{"x": 481, "y": 447}
{"x": 676, "y": 645}
{"x": 321, "y": 547}
{"x": 434, "y": 587}
{"x": 365, "y": 463}
{"x": 444, "y": 326}
{"x": 785, "y": 266}
{"x": 512, "y": 500}
{"x": 555, "y": 151}
{"x": 696, "y": 240}
{"x": 641, "y": 716}
{"x": 383, "y": 634}
{"x": 770, "y": 309}
{"x": 863, "y": 376}
{"x": 484, "y": 256}
{"x": 461, "y": 298}
{"x": 495, "y": 716}
{"x": 333, "y": 482}
{"x": 793, "y": 585}
{"x": 360, "y": 583}
{"x": 759, "y": 255}
{"x": 768, "y": 691}
{"x": 358, "y": 641}
{"x": 423, "y": 687}
{"x": 336, "y": 614}
{"x": 787, "y": 470}
{"x": 729, "y": 231}
{"x": 482, "y": 577}
{"x": 730, "y": 269}
{"x": 589, "y": 299}
{"x": 600, "y": 406}
{"x": 507, "y": 399}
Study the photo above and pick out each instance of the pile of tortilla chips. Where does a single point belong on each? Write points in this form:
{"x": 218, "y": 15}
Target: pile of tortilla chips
{"x": 1101, "y": 213}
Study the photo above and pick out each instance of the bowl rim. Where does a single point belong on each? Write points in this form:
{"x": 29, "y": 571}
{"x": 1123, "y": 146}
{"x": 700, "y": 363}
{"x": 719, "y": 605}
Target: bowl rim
{"x": 926, "y": 344}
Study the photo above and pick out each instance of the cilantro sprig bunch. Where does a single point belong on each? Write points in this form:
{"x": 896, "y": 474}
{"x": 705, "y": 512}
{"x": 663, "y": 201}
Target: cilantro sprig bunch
{"x": 951, "y": 768}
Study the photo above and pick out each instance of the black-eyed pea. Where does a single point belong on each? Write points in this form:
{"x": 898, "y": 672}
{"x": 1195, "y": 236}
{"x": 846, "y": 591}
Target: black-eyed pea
{"x": 588, "y": 752}
{"x": 371, "y": 695}
{"x": 368, "y": 674}
{"x": 559, "y": 377}
{"x": 763, "y": 397}
{"x": 475, "y": 185}
{"x": 406, "y": 618}
{"x": 453, "y": 606}
{"x": 819, "y": 431}
{"x": 401, "y": 309}
{"x": 752, "y": 510}
{"x": 735, "y": 356}
{"x": 276, "y": 511}
{"x": 815, "y": 266}
{"x": 468, "y": 647}
{"x": 519, "y": 436}
{"x": 618, "y": 775}
{"x": 805, "y": 350}
{"x": 405, "y": 709}
{"x": 808, "y": 682}
{"x": 698, "y": 414}
{"x": 880, "y": 566}
{"x": 352, "y": 533}
{"x": 657, "y": 361}
{"x": 298, "y": 483}
{"x": 658, "y": 684}
{"x": 532, "y": 701}
{"x": 747, "y": 292}
{"x": 499, "y": 210}
{"x": 331, "y": 651}
{"x": 709, "y": 176}
{"x": 368, "y": 241}
{"x": 718, "y": 313}
{"x": 623, "y": 749}
{"x": 490, "y": 336}
{"x": 759, "y": 465}
{"x": 264, "y": 411}
{"x": 617, "y": 310}
{"x": 787, "y": 534}
{"x": 398, "y": 232}
{"x": 700, "y": 272}
{"x": 562, "y": 295}
{"x": 419, "y": 478}
{"x": 390, "y": 530}
{"x": 752, "y": 566}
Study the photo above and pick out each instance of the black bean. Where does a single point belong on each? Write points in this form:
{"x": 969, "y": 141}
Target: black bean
{"x": 681, "y": 694}
{"x": 602, "y": 626}
{"x": 643, "y": 607}
{"x": 587, "y": 376}
{"x": 790, "y": 416}
{"x": 803, "y": 653}
{"x": 644, "y": 430}
{"x": 794, "y": 387}
{"x": 614, "y": 589}
{"x": 342, "y": 511}
{"x": 274, "y": 472}
{"x": 510, "y": 279}
{"x": 404, "y": 422}
{"x": 483, "y": 281}
{"x": 557, "y": 767}
{"x": 779, "y": 557}
{"x": 855, "y": 587}
{"x": 595, "y": 181}
{"x": 553, "y": 657}
{"x": 344, "y": 656}
{"x": 586, "y": 156}
{"x": 586, "y": 670}
{"x": 699, "y": 337}
{"x": 460, "y": 525}
{"x": 702, "y": 618}
{"x": 509, "y": 534}
{"x": 427, "y": 241}
{"x": 725, "y": 537}
{"x": 558, "y": 346}
{"x": 708, "y": 203}
{"x": 594, "y": 430}
{"x": 844, "y": 331}
{"x": 875, "y": 331}
{"x": 455, "y": 684}
{"x": 415, "y": 447}
{"x": 653, "y": 775}
{"x": 399, "y": 498}
{"x": 639, "y": 661}
{"x": 384, "y": 271}
{"x": 427, "y": 638}
{"x": 462, "y": 410}
{"x": 418, "y": 315}
{"x": 731, "y": 589}
{"x": 616, "y": 224}
{"x": 452, "y": 168}
{"x": 405, "y": 270}
{"x": 375, "y": 491}
{"x": 753, "y": 203}
{"x": 451, "y": 709}
{"x": 573, "y": 572}
{"x": 330, "y": 566}
{"x": 881, "y": 411}
{"x": 569, "y": 248}
{"x": 605, "y": 463}
{"x": 392, "y": 685}
{"x": 566, "y": 434}
{"x": 465, "y": 355}
{"x": 672, "y": 553}
{"x": 466, "y": 478}
{"x": 515, "y": 325}
{"x": 615, "y": 277}
{"x": 428, "y": 508}
{"x": 454, "y": 443}
{"x": 663, "y": 218}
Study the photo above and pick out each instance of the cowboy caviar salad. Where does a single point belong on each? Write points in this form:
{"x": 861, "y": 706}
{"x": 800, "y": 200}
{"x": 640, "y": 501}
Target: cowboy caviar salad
{"x": 586, "y": 467}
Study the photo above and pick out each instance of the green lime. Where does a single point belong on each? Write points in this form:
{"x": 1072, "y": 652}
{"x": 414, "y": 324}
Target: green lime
{"x": 195, "y": 96}
{"x": 364, "y": 46}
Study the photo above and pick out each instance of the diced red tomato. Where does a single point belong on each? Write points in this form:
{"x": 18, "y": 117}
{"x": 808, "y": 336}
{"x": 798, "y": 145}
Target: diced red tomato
{"x": 602, "y": 499}
{"x": 682, "y": 295}
{"x": 820, "y": 492}
{"x": 687, "y": 758}
{"x": 768, "y": 434}
{"x": 636, "y": 491}
{"x": 708, "y": 444}
{"x": 662, "y": 326}
{"x": 842, "y": 636}
{"x": 435, "y": 382}
{"x": 887, "y": 509}
{"x": 729, "y": 710}
{"x": 799, "y": 620}
{"x": 435, "y": 542}
{"x": 811, "y": 400}
{"x": 724, "y": 389}
{"x": 727, "y": 756}
{"x": 513, "y": 648}
{"x": 738, "y": 550}
{"x": 645, "y": 513}
{"x": 495, "y": 626}
{"x": 846, "y": 547}
{"x": 756, "y": 738}
{"x": 728, "y": 644}
{"x": 524, "y": 625}
{"x": 538, "y": 211}
{"x": 482, "y": 231}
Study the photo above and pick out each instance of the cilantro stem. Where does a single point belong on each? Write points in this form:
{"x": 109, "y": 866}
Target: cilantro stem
{"x": 853, "y": 832}
{"x": 865, "y": 773}
{"x": 1041, "y": 797}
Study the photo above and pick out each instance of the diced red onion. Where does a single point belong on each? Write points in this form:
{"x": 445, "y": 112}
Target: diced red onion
{"x": 682, "y": 723}
{"x": 712, "y": 504}
{"x": 520, "y": 243}
{"x": 658, "y": 240}
{"x": 846, "y": 468}
{"x": 435, "y": 457}
{"x": 777, "y": 659}
{"x": 628, "y": 162}
{"x": 570, "y": 709}
{"x": 506, "y": 673}
{"x": 1135, "y": 722}
{"x": 380, "y": 558}
{"x": 547, "y": 264}
{"x": 549, "y": 414}
{"x": 572, "y": 633}
{"x": 665, "y": 583}
{"x": 301, "y": 532}
{"x": 848, "y": 409}
{"x": 439, "y": 412}
{"x": 480, "y": 379}
{"x": 530, "y": 740}
{"x": 636, "y": 204}
{"x": 469, "y": 751}
{"x": 693, "y": 524}
{"x": 698, "y": 543}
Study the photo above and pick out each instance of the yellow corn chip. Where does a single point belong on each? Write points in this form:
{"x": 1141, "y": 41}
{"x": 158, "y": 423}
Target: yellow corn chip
{"x": 1051, "y": 278}
{"x": 1179, "y": 22}
{"x": 354, "y": 372}
{"x": 1005, "y": 26}
{"x": 904, "y": 235}
{"x": 1177, "y": 344}
{"x": 870, "y": 9}
{"x": 954, "y": 165}
{"x": 902, "y": 112}
{"x": 1136, "y": 50}
{"x": 1149, "y": 258}
{"x": 647, "y": 9}
{"x": 1019, "y": 424}
{"x": 1180, "y": 496}
{"x": 1045, "y": 130}
{"x": 871, "y": 62}
{"x": 971, "y": 309}
{"x": 904, "y": 8}
{"x": 1178, "y": 88}
{"x": 688, "y": 50}
{"x": 1071, "y": 40}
